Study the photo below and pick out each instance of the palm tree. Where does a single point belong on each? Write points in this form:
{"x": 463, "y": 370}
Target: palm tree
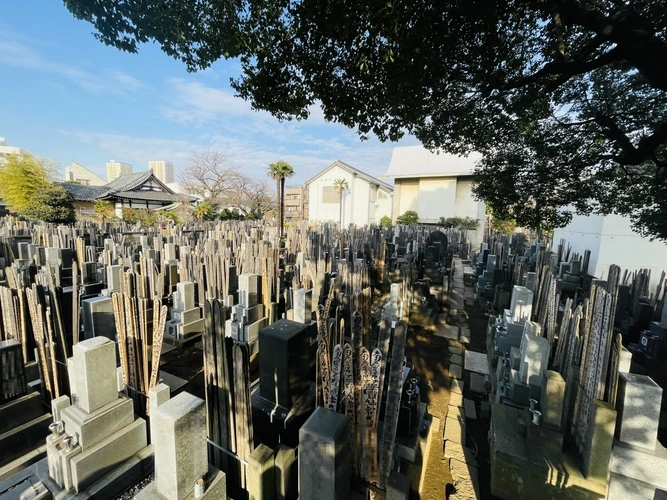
{"x": 280, "y": 171}
{"x": 341, "y": 184}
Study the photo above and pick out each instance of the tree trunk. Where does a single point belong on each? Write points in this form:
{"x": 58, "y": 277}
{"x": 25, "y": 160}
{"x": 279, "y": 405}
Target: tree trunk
{"x": 282, "y": 203}
{"x": 278, "y": 201}
{"x": 340, "y": 215}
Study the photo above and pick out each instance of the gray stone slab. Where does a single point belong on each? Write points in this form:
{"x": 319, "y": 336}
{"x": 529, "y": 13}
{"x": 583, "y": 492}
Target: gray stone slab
{"x": 464, "y": 339}
{"x": 324, "y": 456}
{"x": 456, "y": 371}
{"x": 456, "y": 359}
{"x": 261, "y": 478}
{"x": 471, "y": 412}
{"x": 638, "y": 405}
{"x": 285, "y": 472}
{"x": 455, "y": 431}
{"x": 455, "y": 350}
{"x": 450, "y": 332}
{"x": 455, "y": 451}
{"x": 477, "y": 384}
{"x": 636, "y": 463}
{"x": 476, "y": 362}
{"x": 457, "y": 386}
{"x": 89, "y": 466}
{"x": 180, "y": 444}
{"x": 94, "y": 363}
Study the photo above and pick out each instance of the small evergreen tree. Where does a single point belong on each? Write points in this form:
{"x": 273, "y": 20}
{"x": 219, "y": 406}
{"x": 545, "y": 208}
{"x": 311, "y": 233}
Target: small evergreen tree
{"x": 409, "y": 217}
{"x": 53, "y": 204}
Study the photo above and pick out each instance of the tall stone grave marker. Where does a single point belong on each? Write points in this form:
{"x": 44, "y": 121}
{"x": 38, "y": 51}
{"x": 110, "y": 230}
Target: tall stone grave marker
{"x": 324, "y": 456}
{"x": 98, "y": 432}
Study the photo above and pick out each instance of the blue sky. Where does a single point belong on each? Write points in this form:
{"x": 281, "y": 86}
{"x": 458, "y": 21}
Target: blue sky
{"x": 67, "y": 96}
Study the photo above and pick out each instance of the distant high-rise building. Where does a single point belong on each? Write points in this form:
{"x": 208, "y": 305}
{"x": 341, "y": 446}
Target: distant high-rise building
{"x": 81, "y": 175}
{"x": 116, "y": 168}
{"x": 163, "y": 170}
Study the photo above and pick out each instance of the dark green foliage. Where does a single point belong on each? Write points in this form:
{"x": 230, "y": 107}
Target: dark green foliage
{"x": 143, "y": 216}
{"x": 385, "y": 221}
{"x": 566, "y": 100}
{"x": 459, "y": 222}
{"x": 51, "y": 204}
{"x": 409, "y": 217}
{"x": 234, "y": 214}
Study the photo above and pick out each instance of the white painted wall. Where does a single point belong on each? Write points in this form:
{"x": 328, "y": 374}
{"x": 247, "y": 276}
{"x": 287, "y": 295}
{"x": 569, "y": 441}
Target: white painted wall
{"x": 437, "y": 198}
{"x": 612, "y": 241}
{"x": 358, "y": 207}
{"x": 467, "y": 206}
{"x": 406, "y": 196}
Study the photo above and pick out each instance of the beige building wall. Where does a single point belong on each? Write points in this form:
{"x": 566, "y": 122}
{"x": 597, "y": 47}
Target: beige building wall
{"x": 116, "y": 168}
{"x": 78, "y": 173}
{"x": 164, "y": 170}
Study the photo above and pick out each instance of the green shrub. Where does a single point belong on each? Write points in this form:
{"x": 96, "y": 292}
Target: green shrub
{"x": 52, "y": 204}
{"x": 385, "y": 221}
{"x": 409, "y": 217}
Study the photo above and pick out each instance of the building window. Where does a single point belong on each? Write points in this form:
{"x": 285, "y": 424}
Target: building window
{"x": 291, "y": 208}
{"x": 330, "y": 194}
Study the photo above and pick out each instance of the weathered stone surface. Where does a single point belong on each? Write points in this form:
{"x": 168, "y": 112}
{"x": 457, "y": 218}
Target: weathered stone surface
{"x": 463, "y": 454}
{"x": 469, "y": 406}
{"x": 457, "y": 386}
{"x": 94, "y": 364}
{"x": 598, "y": 450}
{"x": 477, "y": 383}
{"x": 89, "y": 466}
{"x": 455, "y": 431}
{"x": 637, "y": 463}
{"x": 450, "y": 332}
{"x": 285, "y": 472}
{"x": 324, "y": 456}
{"x": 261, "y": 477}
{"x": 457, "y": 412}
{"x": 456, "y": 399}
{"x": 456, "y": 371}
{"x": 89, "y": 429}
{"x": 638, "y": 404}
{"x": 398, "y": 486}
{"x": 456, "y": 359}
{"x": 466, "y": 480}
{"x": 552, "y": 399}
{"x": 455, "y": 350}
{"x": 179, "y": 441}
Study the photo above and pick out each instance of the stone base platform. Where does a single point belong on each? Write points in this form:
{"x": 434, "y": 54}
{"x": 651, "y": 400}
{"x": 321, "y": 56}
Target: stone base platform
{"x": 535, "y": 465}
{"x": 215, "y": 488}
{"x": 109, "y": 487}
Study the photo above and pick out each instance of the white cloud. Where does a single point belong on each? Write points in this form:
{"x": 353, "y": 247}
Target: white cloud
{"x": 109, "y": 81}
{"x": 251, "y": 155}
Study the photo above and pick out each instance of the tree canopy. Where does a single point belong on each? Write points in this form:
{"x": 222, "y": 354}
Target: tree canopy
{"x": 23, "y": 176}
{"x": 565, "y": 99}
{"x": 52, "y": 204}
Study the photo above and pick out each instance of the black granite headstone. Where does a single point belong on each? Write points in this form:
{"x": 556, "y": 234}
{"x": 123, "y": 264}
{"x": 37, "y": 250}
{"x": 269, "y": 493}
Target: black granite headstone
{"x": 12, "y": 371}
{"x": 284, "y": 362}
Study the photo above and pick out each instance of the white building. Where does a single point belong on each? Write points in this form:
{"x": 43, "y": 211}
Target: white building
{"x": 434, "y": 186}
{"x": 365, "y": 201}
{"x": 164, "y": 170}
{"x": 81, "y": 175}
{"x": 6, "y": 150}
{"x": 116, "y": 168}
{"x": 611, "y": 240}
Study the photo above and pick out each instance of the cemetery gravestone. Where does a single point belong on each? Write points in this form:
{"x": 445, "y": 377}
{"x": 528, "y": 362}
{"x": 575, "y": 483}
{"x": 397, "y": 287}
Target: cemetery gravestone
{"x": 324, "y": 456}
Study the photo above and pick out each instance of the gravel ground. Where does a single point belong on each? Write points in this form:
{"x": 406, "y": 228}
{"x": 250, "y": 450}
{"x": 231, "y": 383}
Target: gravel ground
{"x": 129, "y": 494}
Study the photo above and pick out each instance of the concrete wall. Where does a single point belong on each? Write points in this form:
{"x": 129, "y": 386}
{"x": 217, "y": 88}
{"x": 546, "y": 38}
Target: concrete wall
{"x": 467, "y": 206}
{"x": 612, "y": 241}
{"x": 437, "y": 198}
